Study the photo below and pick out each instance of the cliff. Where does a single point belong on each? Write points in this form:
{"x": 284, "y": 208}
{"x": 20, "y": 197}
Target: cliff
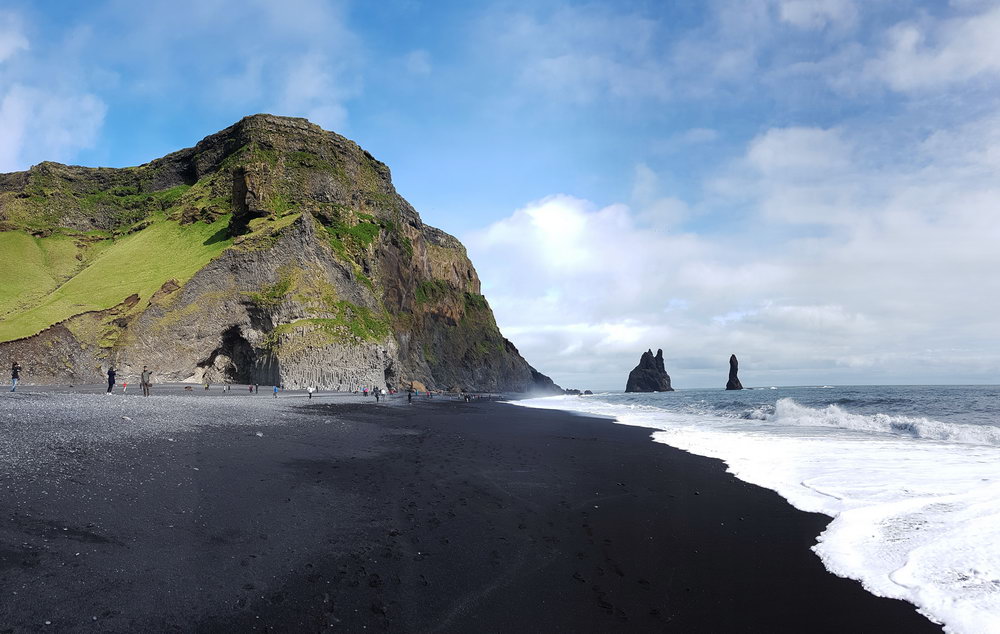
{"x": 270, "y": 252}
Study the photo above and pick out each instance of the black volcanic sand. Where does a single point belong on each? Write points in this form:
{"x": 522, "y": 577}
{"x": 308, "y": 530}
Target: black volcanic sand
{"x": 440, "y": 516}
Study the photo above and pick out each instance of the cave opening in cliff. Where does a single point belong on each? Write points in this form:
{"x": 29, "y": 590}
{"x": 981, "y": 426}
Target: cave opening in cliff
{"x": 390, "y": 376}
{"x": 232, "y": 362}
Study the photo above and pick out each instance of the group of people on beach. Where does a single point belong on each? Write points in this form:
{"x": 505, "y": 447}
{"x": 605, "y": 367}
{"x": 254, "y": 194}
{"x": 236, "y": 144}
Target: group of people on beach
{"x": 146, "y": 382}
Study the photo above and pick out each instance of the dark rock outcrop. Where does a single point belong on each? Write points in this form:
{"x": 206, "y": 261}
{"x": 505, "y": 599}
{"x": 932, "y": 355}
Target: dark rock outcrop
{"x": 649, "y": 375}
{"x": 734, "y": 381}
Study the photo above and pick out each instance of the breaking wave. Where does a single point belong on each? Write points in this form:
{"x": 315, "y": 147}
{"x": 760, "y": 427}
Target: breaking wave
{"x": 788, "y": 412}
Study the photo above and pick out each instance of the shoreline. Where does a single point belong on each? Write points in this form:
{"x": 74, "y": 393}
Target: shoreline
{"x": 441, "y": 516}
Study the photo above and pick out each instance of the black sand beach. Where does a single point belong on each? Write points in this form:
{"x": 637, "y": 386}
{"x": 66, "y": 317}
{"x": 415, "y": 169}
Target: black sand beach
{"x": 239, "y": 513}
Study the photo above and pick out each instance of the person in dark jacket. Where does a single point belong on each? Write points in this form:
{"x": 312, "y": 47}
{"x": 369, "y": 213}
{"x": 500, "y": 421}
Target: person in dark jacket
{"x": 15, "y": 375}
{"x": 146, "y": 378}
{"x": 111, "y": 379}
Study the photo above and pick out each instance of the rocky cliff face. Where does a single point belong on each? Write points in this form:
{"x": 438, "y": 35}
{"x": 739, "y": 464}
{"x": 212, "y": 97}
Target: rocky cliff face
{"x": 734, "y": 381}
{"x": 649, "y": 375}
{"x": 314, "y": 271}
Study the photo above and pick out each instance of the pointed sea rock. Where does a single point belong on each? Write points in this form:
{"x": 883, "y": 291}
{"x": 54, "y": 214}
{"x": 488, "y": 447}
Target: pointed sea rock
{"x": 734, "y": 381}
{"x": 649, "y": 375}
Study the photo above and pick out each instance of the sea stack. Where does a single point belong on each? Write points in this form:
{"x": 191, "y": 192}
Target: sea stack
{"x": 734, "y": 381}
{"x": 649, "y": 375}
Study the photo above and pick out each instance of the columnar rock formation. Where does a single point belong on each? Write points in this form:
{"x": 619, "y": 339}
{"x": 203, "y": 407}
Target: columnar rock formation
{"x": 649, "y": 375}
{"x": 734, "y": 381}
{"x": 272, "y": 251}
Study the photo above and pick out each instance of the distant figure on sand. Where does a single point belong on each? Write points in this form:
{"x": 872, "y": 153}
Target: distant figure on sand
{"x": 309, "y": 391}
{"x": 15, "y": 375}
{"x": 409, "y": 396}
{"x": 376, "y": 395}
{"x": 111, "y": 379}
{"x": 275, "y": 391}
{"x": 146, "y": 380}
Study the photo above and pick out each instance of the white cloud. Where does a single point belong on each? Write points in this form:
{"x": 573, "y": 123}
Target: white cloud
{"x": 43, "y": 115}
{"x": 313, "y": 88}
{"x": 40, "y": 126}
{"x": 418, "y": 62}
{"x": 817, "y": 14}
{"x": 696, "y": 136}
{"x": 12, "y": 39}
{"x": 296, "y": 58}
{"x": 655, "y": 209}
{"x": 938, "y": 53}
{"x": 582, "y": 53}
{"x": 896, "y": 287}
{"x": 799, "y": 151}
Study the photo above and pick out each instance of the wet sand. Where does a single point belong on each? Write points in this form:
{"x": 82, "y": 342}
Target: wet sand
{"x": 240, "y": 513}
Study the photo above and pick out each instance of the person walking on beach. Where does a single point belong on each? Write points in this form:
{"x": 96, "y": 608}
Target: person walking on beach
{"x": 376, "y": 395}
{"x": 409, "y": 396}
{"x": 309, "y": 391}
{"x": 15, "y": 375}
{"x": 146, "y": 380}
{"x": 275, "y": 391}
{"x": 111, "y": 379}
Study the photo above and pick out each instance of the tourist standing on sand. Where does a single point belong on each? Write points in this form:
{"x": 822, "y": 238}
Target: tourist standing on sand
{"x": 309, "y": 391}
{"x": 15, "y": 375}
{"x": 146, "y": 380}
{"x": 275, "y": 391}
{"x": 111, "y": 379}
{"x": 409, "y": 396}
{"x": 376, "y": 395}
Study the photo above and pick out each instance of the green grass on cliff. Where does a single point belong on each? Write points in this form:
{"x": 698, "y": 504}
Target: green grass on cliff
{"x": 33, "y": 267}
{"x": 44, "y": 287}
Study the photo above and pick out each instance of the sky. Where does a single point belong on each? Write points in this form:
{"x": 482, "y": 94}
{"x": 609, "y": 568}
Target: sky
{"x": 811, "y": 185}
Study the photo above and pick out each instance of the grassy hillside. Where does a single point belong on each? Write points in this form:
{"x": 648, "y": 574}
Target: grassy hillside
{"x": 46, "y": 282}
{"x": 33, "y": 267}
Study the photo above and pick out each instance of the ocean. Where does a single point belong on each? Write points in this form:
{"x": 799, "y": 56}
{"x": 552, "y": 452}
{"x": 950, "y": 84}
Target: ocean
{"x": 910, "y": 476}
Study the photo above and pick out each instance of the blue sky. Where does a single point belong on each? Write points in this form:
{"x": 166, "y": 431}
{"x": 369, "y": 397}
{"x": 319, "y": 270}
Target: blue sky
{"x": 811, "y": 184}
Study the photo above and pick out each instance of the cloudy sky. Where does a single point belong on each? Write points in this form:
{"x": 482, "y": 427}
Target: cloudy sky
{"x": 810, "y": 184}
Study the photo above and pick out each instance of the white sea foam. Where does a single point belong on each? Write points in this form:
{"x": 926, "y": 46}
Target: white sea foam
{"x": 788, "y": 412}
{"x": 915, "y": 502}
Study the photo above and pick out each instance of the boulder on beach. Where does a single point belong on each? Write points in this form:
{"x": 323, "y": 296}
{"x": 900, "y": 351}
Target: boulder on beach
{"x": 734, "y": 381}
{"x": 649, "y": 375}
